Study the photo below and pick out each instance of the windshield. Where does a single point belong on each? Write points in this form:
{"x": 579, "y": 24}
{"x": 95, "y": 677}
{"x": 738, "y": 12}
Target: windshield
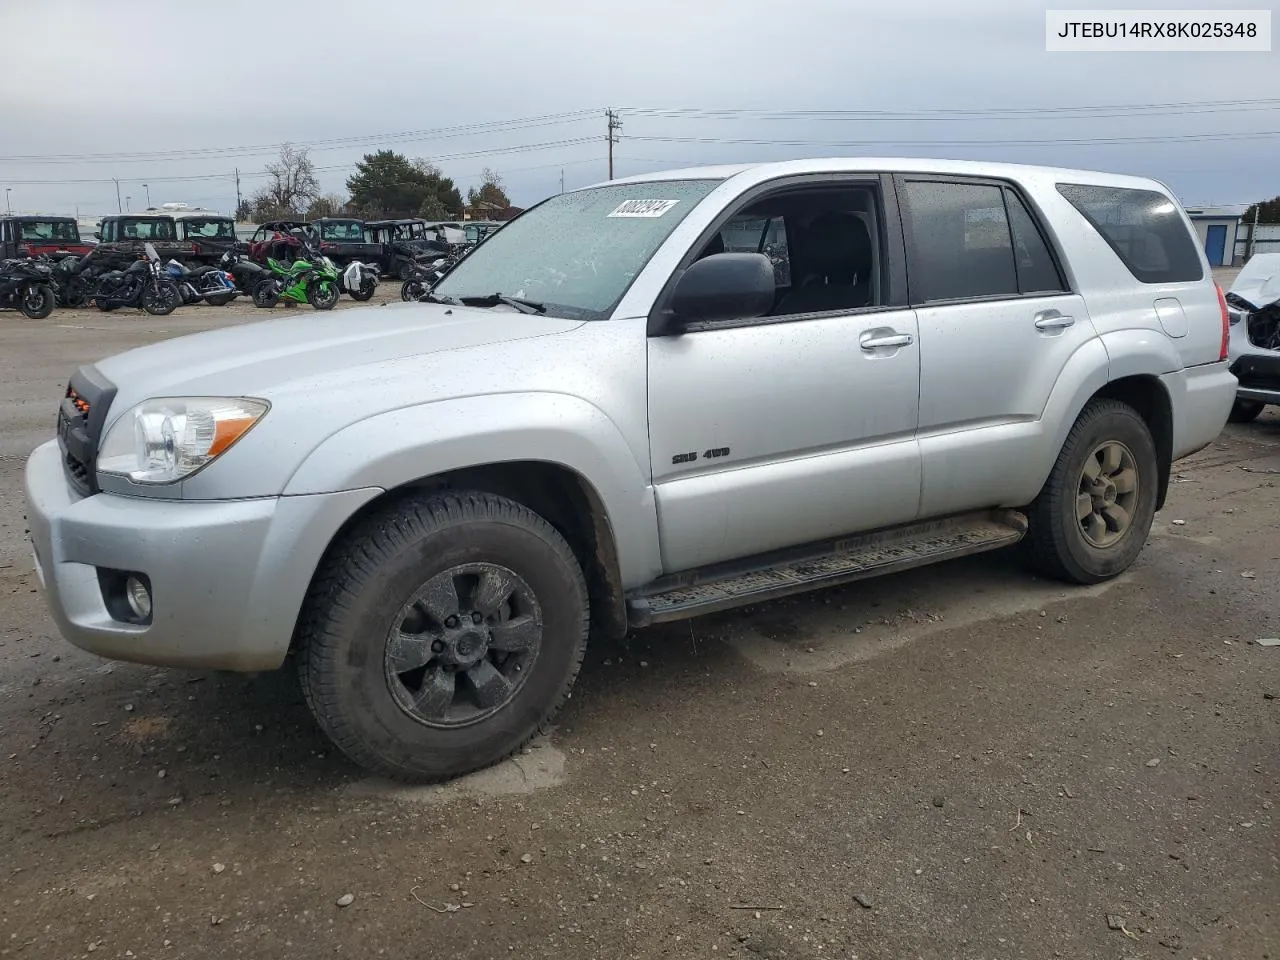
{"x": 577, "y": 253}
{"x": 49, "y": 230}
{"x": 147, "y": 230}
{"x": 209, "y": 229}
{"x": 342, "y": 231}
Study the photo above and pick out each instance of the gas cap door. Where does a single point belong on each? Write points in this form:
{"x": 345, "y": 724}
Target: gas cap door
{"x": 1172, "y": 318}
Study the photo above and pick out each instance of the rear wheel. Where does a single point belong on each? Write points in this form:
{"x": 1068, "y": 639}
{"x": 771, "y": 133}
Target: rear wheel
{"x": 1245, "y": 411}
{"x": 365, "y": 292}
{"x": 412, "y": 290}
{"x": 442, "y": 634}
{"x": 265, "y": 294}
{"x": 38, "y": 301}
{"x": 1092, "y": 518}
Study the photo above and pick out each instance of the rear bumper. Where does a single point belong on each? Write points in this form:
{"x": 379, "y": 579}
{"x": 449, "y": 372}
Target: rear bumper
{"x": 1202, "y": 397}
{"x": 227, "y": 577}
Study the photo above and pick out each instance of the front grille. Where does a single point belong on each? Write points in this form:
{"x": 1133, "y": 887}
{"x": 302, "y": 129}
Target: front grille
{"x": 81, "y": 417}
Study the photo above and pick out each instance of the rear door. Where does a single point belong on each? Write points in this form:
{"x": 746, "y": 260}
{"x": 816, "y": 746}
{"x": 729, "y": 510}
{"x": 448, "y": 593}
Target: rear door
{"x": 998, "y": 324}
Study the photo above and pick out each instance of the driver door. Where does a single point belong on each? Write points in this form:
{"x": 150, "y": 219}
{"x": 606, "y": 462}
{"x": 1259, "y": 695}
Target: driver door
{"x": 772, "y": 432}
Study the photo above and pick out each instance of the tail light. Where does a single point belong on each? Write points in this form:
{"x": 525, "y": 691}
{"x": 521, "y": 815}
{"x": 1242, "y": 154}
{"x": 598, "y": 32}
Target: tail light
{"x": 1226, "y": 323}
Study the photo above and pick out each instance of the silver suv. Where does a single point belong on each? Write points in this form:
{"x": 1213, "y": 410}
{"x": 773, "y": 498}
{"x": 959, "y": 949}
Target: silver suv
{"x": 637, "y": 402}
{"x": 1253, "y": 303}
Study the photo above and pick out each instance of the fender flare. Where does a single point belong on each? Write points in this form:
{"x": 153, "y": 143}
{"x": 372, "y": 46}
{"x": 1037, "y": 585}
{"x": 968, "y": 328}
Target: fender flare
{"x": 402, "y": 446}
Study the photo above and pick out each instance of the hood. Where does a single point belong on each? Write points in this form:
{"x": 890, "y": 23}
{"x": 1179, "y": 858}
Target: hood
{"x": 262, "y": 359}
{"x": 1258, "y": 282}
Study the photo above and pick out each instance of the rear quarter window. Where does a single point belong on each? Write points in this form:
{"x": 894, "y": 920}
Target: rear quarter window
{"x": 1143, "y": 227}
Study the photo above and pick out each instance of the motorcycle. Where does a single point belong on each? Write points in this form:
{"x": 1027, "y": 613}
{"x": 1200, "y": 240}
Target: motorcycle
{"x": 206, "y": 283}
{"x": 245, "y": 272}
{"x": 359, "y": 279}
{"x": 72, "y": 277}
{"x": 422, "y": 277}
{"x": 314, "y": 281}
{"x": 24, "y": 285}
{"x": 142, "y": 284}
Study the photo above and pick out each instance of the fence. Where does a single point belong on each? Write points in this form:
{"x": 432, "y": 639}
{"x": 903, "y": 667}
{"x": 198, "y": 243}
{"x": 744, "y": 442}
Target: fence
{"x": 1266, "y": 241}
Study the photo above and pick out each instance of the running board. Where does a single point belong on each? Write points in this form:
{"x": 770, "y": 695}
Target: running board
{"x": 696, "y": 593}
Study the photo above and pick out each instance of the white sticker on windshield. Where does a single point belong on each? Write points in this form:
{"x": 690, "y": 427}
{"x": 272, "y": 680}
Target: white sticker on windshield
{"x": 643, "y": 208}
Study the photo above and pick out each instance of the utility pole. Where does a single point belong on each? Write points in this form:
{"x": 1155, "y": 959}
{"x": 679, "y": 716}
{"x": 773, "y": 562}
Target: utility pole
{"x": 1253, "y": 232}
{"x": 615, "y": 124}
{"x": 119, "y": 207}
{"x": 562, "y": 180}
{"x": 148, "y": 189}
{"x": 237, "y": 213}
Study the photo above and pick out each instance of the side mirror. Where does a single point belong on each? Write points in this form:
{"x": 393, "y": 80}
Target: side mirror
{"x": 725, "y": 286}
{"x": 97, "y": 234}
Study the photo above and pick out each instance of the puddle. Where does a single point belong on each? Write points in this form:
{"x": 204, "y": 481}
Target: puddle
{"x": 540, "y": 768}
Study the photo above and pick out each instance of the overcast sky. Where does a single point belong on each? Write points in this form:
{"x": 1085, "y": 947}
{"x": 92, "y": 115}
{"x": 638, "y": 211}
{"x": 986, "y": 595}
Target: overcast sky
{"x": 86, "y": 77}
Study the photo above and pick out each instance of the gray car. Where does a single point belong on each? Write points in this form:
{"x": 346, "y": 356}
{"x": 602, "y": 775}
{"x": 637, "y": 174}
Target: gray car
{"x": 638, "y": 402}
{"x": 1254, "y": 305}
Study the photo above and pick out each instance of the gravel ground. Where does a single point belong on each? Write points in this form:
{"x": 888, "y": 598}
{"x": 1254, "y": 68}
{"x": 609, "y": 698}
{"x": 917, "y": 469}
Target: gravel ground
{"x": 958, "y": 762}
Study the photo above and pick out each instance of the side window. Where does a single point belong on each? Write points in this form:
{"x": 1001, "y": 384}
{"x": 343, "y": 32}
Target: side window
{"x": 767, "y": 235}
{"x": 1143, "y": 227}
{"x": 824, "y": 244}
{"x": 959, "y": 244}
{"x": 1037, "y": 271}
{"x": 4, "y": 231}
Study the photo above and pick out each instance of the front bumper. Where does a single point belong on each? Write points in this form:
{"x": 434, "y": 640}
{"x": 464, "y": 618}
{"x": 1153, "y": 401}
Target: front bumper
{"x": 227, "y": 577}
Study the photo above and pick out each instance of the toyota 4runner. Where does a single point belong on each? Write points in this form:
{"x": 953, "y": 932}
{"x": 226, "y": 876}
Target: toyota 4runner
{"x": 620, "y": 410}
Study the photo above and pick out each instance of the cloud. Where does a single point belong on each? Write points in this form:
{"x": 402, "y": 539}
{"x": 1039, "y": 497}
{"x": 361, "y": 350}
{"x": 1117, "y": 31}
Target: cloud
{"x": 131, "y": 77}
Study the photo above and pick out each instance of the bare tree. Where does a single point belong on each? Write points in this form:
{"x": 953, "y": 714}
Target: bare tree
{"x": 291, "y": 186}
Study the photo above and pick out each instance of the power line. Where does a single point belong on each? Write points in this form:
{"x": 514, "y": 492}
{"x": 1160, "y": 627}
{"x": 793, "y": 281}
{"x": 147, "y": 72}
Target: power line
{"x": 1053, "y": 141}
{"x": 334, "y": 143}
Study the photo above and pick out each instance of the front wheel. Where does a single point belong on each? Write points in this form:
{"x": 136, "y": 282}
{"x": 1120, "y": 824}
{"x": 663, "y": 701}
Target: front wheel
{"x": 162, "y": 299}
{"x": 442, "y": 634}
{"x": 412, "y": 290}
{"x": 38, "y": 301}
{"x": 322, "y": 295}
{"x": 1246, "y": 411}
{"x": 1092, "y": 518}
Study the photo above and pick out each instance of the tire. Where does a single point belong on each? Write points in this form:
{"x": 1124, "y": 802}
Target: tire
{"x": 362, "y": 592}
{"x": 412, "y": 290}
{"x": 74, "y": 294}
{"x": 1057, "y": 544}
{"x": 322, "y": 295}
{"x": 38, "y": 301}
{"x": 264, "y": 294}
{"x": 105, "y": 307}
{"x": 1246, "y": 411}
{"x": 221, "y": 300}
{"x": 161, "y": 301}
{"x": 405, "y": 271}
{"x": 366, "y": 291}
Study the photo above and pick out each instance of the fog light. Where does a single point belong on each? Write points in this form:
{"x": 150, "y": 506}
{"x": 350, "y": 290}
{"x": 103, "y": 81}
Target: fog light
{"x": 139, "y": 597}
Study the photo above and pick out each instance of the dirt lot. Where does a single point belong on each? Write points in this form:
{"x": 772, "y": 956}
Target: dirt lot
{"x": 961, "y": 762}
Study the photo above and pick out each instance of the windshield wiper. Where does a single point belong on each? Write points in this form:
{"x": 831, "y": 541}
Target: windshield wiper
{"x": 493, "y": 299}
{"x": 447, "y": 301}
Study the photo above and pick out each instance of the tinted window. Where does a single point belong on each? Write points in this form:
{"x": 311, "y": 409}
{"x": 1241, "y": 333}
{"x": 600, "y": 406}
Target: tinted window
{"x": 1037, "y": 273}
{"x": 959, "y": 245}
{"x": 1143, "y": 227}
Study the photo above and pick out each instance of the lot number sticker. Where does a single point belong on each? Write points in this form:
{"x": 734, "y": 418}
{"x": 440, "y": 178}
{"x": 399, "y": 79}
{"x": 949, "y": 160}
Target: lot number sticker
{"x": 643, "y": 208}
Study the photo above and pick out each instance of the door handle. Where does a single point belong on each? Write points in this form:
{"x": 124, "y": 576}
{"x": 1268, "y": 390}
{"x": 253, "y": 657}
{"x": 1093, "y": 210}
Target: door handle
{"x": 1052, "y": 320}
{"x": 869, "y": 341}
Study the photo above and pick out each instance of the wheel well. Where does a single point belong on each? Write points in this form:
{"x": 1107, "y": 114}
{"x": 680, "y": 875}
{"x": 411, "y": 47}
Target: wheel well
{"x": 561, "y": 497}
{"x": 1150, "y": 399}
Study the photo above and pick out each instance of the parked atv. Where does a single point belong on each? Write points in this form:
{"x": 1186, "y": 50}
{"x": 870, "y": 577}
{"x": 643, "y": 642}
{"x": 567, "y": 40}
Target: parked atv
{"x": 314, "y": 281}
{"x": 24, "y": 285}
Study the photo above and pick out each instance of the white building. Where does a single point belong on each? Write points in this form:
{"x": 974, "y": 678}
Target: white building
{"x": 1217, "y": 228}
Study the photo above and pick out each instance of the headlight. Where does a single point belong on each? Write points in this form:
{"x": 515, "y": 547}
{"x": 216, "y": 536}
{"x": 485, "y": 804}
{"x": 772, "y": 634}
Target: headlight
{"x": 166, "y": 439}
